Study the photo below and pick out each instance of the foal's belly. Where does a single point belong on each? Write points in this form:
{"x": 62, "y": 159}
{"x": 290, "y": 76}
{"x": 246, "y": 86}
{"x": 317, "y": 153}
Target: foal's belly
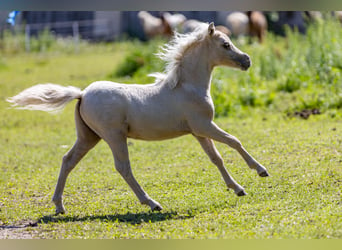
{"x": 157, "y": 131}
{"x": 155, "y": 136}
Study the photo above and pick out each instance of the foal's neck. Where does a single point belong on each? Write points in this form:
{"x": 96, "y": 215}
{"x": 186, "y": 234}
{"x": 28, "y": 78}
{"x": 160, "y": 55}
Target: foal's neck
{"x": 195, "y": 68}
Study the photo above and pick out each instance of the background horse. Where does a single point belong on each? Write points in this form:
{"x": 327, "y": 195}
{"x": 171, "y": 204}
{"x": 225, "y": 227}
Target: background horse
{"x": 154, "y": 26}
{"x": 178, "y": 103}
{"x": 257, "y": 24}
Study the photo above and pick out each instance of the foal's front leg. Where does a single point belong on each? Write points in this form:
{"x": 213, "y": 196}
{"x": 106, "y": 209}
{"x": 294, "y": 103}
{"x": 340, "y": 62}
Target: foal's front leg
{"x": 215, "y": 157}
{"x": 118, "y": 144}
{"x": 211, "y": 130}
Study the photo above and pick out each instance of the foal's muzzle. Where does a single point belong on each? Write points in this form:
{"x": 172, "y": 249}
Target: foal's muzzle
{"x": 245, "y": 62}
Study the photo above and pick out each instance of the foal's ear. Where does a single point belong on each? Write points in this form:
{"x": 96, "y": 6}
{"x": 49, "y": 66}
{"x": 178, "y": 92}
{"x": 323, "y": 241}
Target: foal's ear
{"x": 211, "y": 29}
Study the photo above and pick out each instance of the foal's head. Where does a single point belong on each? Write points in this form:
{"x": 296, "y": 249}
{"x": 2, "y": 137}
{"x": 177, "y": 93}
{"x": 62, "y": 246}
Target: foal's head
{"x": 223, "y": 51}
{"x": 215, "y": 47}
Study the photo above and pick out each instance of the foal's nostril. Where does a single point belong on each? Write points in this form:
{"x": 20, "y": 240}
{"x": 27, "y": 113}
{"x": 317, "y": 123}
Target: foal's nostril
{"x": 246, "y": 61}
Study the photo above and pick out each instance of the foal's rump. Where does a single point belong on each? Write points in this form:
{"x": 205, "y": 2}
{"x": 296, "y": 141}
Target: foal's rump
{"x": 103, "y": 106}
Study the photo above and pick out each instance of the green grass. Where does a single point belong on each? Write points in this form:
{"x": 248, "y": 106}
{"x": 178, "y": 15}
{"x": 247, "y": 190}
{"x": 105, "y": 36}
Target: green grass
{"x": 301, "y": 199}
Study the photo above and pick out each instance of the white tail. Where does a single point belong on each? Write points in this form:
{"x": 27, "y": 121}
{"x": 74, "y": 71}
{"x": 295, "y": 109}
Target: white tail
{"x": 45, "y": 97}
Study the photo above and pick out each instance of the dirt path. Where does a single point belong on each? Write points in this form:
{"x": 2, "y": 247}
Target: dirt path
{"x": 21, "y": 231}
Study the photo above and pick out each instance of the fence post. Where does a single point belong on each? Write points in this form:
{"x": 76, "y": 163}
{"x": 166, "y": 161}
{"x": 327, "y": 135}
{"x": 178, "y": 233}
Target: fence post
{"x": 76, "y": 35}
{"x": 27, "y": 38}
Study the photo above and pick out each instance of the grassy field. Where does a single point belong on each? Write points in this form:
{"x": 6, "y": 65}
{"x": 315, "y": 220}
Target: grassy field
{"x": 300, "y": 200}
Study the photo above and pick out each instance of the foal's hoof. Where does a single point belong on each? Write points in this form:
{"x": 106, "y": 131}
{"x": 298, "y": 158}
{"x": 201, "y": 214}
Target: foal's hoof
{"x": 241, "y": 193}
{"x": 59, "y": 211}
{"x": 157, "y": 208}
{"x": 264, "y": 174}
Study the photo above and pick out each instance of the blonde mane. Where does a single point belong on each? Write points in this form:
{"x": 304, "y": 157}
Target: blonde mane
{"x": 173, "y": 52}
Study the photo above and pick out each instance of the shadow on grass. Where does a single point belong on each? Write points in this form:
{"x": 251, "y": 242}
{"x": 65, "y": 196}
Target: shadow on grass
{"x": 130, "y": 218}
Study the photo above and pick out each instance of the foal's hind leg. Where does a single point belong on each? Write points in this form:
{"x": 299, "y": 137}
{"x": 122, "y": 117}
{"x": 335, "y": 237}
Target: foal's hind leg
{"x": 215, "y": 157}
{"x": 118, "y": 144}
{"x": 86, "y": 139}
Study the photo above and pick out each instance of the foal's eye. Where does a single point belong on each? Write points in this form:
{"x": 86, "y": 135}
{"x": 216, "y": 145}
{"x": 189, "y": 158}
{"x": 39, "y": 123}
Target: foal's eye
{"x": 226, "y": 45}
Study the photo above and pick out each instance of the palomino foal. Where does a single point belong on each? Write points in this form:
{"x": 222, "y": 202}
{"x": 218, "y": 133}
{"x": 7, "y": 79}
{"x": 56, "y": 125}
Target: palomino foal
{"x": 178, "y": 103}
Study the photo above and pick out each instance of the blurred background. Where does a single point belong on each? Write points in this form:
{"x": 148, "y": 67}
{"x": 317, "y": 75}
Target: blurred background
{"x": 297, "y": 56}
{"x": 110, "y": 25}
